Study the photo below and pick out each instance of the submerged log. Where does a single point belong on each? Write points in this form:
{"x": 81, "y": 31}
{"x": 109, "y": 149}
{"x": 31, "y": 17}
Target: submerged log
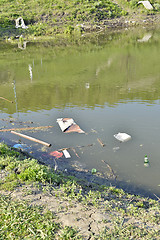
{"x": 24, "y": 129}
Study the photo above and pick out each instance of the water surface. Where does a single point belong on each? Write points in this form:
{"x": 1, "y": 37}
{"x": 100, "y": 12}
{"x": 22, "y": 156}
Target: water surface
{"x": 109, "y": 84}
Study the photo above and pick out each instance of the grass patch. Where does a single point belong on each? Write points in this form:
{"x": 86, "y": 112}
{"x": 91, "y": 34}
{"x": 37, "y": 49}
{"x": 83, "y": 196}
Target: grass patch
{"x": 130, "y": 216}
{"x": 17, "y": 169}
{"x": 46, "y": 17}
{"x": 19, "y": 220}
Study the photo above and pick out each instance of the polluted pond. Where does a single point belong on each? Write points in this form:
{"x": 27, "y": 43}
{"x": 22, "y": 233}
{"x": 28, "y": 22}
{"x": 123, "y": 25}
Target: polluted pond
{"x": 65, "y": 159}
{"x": 55, "y": 158}
{"x": 86, "y": 107}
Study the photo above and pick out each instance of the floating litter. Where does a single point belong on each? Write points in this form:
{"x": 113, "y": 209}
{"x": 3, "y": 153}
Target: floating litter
{"x": 56, "y": 154}
{"x": 122, "y": 137}
{"x": 21, "y": 146}
{"x": 66, "y": 154}
{"x": 68, "y": 125}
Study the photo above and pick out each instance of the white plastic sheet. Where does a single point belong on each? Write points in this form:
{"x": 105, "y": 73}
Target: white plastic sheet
{"x": 122, "y": 137}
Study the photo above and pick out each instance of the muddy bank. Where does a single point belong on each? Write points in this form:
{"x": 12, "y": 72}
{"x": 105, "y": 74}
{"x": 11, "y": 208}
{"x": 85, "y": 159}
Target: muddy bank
{"x": 96, "y": 212}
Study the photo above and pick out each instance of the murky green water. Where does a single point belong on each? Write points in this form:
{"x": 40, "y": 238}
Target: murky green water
{"x": 109, "y": 84}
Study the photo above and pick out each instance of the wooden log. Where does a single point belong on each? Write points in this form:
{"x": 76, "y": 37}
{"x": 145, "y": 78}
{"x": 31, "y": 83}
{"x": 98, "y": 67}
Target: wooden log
{"x": 100, "y": 142}
{"x": 75, "y": 152}
{"x": 31, "y": 138}
{"x": 25, "y": 129}
{"x": 111, "y": 170}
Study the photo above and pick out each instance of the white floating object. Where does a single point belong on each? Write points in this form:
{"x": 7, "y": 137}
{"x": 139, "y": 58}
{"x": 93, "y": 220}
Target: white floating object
{"x": 64, "y": 124}
{"x": 68, "y": 125}
{"x": 122, "y": 137}
{"x": 66, "y": 154}
{"x": 146, "y": 4}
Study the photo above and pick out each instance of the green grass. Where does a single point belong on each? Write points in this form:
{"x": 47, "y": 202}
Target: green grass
{"x": 46, "y": 17}
{"x": 49, "y": 18}
{"x": 20, "y": 220}
{"x": 131, "y": 217}
{"x": 18, "y": 169}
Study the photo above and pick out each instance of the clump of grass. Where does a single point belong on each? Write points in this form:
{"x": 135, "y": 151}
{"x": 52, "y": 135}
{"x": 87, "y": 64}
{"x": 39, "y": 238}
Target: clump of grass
{"x": 18, "y": 169}
{"x": 43, "y": 15}
{"x": 19, "y": 220}
{"x": 130, "y": 216}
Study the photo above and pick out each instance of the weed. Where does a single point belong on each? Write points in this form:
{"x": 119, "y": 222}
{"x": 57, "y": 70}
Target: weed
{"x": 19, "y": 220}
{"x": 26, "y": 170}
{"x": 69, "y": 233}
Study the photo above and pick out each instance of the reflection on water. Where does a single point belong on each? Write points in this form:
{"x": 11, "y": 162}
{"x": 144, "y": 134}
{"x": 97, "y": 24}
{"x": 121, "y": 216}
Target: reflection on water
{"x": 145, "y": 38}
{"x": 108, "y": 86}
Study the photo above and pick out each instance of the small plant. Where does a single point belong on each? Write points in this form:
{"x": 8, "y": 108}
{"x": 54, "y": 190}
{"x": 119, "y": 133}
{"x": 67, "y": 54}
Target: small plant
{"x": 19, "y": 170}
{"x": 22, "y": 221}
{"x": 69, "y": 233}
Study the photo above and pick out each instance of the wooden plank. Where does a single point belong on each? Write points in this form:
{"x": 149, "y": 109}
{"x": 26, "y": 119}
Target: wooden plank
{"x": 25, "y": 129}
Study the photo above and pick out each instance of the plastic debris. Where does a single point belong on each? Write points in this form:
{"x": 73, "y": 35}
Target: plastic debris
{"x": 68, "y": 125}
{"x": 94, "y": 170}
{"x": 122, "y": 137}
{"x": 66, "y": 154}
{"x": 21, "y": 146}
{"x": 56, "y": 154}
{"x": 146, "y": 161}
{"x": 22, "y": 25}
{"x": 146, "y": 4}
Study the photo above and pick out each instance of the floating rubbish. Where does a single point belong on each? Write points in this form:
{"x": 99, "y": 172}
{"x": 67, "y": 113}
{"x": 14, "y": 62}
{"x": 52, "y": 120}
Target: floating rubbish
{"x": 146, "y": 4}
{"x": 56, "y": 154}
{"x": 66, "y": 154}
{"x": 21, "y": 146}
{"x": 146, "y": 161}
{"x": 31, "y": 138}
{"x": 20, "y": 23}
{"x": 122, "y": 137}
{"x": 24, "y": 129}
{"x": 100, "y": 142}
{"x": 6, "y": 99}
{"x": 145, "y": 38}
{"x": 94, "y": 170}
{"x": 68, "y": 125}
